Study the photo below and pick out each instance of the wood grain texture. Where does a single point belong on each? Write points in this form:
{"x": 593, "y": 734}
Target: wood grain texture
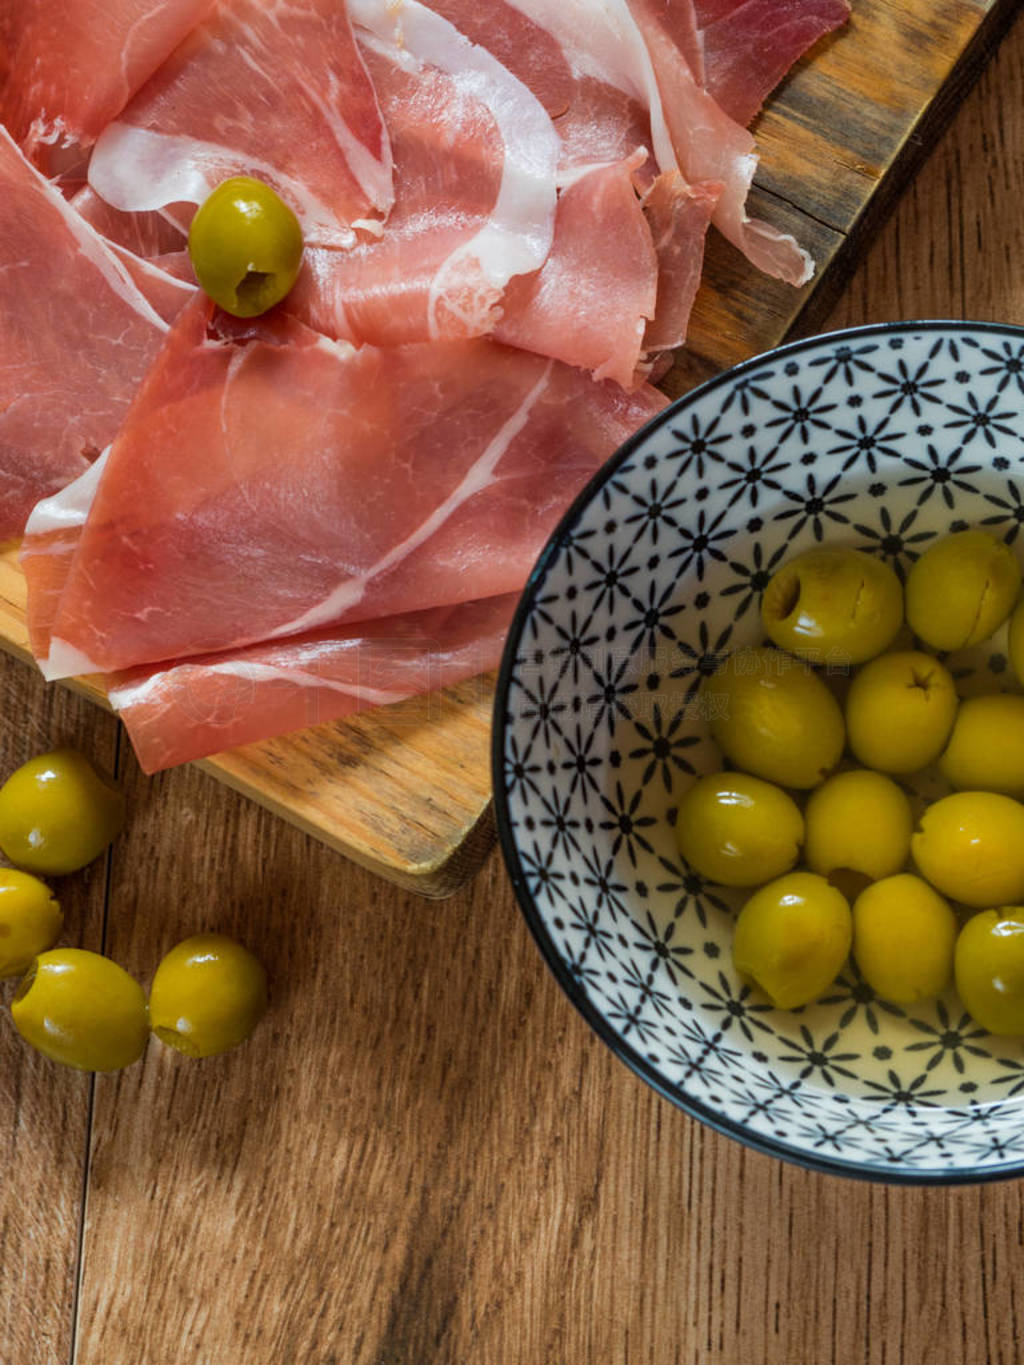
{"x": 424, "y": 1157}
{"x": 405, "y": 790}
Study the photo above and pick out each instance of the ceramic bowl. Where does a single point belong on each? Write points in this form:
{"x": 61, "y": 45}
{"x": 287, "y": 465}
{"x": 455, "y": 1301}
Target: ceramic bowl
{"x": 882, "y": 438}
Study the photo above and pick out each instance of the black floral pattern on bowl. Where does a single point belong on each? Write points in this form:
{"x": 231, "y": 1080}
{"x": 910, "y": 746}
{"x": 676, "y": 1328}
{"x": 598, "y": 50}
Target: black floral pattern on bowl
{"x": 880, "y": 438}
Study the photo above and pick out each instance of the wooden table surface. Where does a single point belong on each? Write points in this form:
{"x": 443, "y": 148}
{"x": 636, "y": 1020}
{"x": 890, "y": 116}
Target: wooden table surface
{"x": 424, "y": 1155}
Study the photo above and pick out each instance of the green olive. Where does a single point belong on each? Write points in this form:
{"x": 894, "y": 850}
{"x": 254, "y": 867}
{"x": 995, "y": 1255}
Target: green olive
{"x": 792, "y": 937}
{"x": 989, "y": 967}
{"x": 986, "y": 749}
{"x": 903, "y": 938}
{"x": 899, "y": 711}
{"x": 246, "y": 246}
{"x": 81, "y": 1009}
{"x": 208, "y": 995}
{"x": 833, "y": 605}
{"x": 772, "y": 716}
{"x": 57, "y": 813}
{"x": 30, "y": 920}
{"x": 858, "y": 821}
{"x": 737, "y": 830}
{"x": 961, "y": 590}
{"x": 970, "y": 846}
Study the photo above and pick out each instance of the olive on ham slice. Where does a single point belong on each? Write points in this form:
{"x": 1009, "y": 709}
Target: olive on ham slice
{"x": 336, "y": 504}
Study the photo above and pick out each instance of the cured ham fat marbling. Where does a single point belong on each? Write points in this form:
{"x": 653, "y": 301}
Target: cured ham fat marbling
{"x": 67, "y": 69}
{"x": 475, "y": 159}
{"x": 200, "y": 706}
{"x": 276, "y": 89}
{"x": 61, "y": 403}
{"x": 144, "y": 234}
{"x": 267, "y": 482}
{"x": 182, "y": 711}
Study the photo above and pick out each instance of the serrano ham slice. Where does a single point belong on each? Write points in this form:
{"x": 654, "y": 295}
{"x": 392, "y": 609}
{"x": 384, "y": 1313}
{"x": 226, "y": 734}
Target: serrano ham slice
{"x": 268, "y": 482}
{"x": 201, "y": 706}
{"x": 616, "y": 81}
{"x": 589, "y": 303}
{"x": 712, "y": 147}
{"x": 525, "y": 49}
{"x": 144, "y": 234}
{"x": 646, "y": 50}
{"x": 750, "y": 47}
{"x": 679, "y": 20}
{"x": 278, "y": 91}
{"x": 679, "y": 215}
{"x": 475, "y": 162}
{"x": 179, "y": 712}
{"x": 47, "y": 548}
{"x": 335, "y": 505}
{"x": 60, "y": 404}
{"x": 67, "y": 70}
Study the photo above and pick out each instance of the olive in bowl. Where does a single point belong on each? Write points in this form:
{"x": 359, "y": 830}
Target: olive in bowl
{"x": 606, "y": 714}
{"x": 833, "y": 604}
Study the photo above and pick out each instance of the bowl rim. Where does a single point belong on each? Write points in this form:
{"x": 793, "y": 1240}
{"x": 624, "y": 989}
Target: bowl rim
{"x": 623, "y": 1050}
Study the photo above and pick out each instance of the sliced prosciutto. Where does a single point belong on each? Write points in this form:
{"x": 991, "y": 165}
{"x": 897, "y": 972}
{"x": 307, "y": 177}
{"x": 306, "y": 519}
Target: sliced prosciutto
{"x": 475, "y": 161}
{"x": 149, "y": 246}
{"x": 268, "y": 482}
{"x": 617, "y": 103}
{"x": 749, "y": 47}
{"x": 78, "y": 334}
{"x": 708, "y": 11}
{"x": 525, "y": 49}
{"x": 587, "y": 302}
{"x": 202, "y": 706}
{"x": 678, "y": 215}
{"x": 144, "y": 234}
{"x": 590, "y": 302}
{"x": 680, "y": 21}
{"x": 66, "y": 70}
{"x": 48, "y": 547}
{"x": 711, "y": 146}
{"x": 270, "y": 89}
{"x": 714, "y": 148}
{"x": 642, "y": 49}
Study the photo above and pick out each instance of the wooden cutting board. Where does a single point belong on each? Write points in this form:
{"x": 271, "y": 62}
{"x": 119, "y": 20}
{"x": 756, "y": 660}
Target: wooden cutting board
{"x": 405, "y": 790}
